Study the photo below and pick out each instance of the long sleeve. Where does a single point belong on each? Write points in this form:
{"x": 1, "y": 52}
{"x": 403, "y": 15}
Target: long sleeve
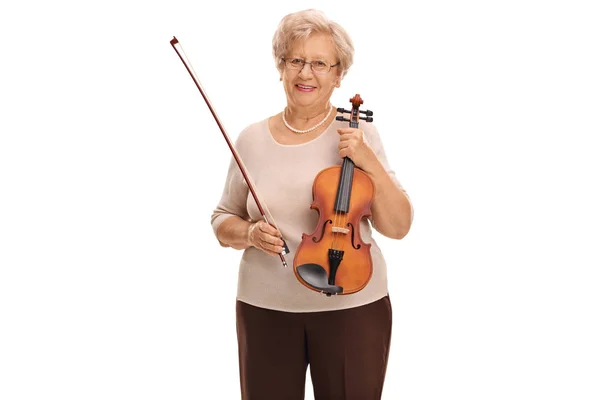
{"x": 375, "y": 143}
{"x": 233, "y": 199}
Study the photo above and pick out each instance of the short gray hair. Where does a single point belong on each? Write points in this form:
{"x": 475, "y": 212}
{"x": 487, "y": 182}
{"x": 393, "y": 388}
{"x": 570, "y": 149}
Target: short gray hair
{"x": 300, "y": 25}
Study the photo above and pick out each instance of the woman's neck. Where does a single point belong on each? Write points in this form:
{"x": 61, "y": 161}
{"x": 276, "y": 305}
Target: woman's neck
{"x": 303, "y": 117}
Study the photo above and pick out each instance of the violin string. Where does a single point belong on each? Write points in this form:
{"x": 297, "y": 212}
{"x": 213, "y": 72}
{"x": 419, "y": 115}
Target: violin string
{"x": 338, "y": 215}
{"x": 341, "y": 219}
{"x": 336, "y": 224}
{"x": 345, "y": 214}
{"x": 335, "y": 234}
{"x": 348, "y": 185}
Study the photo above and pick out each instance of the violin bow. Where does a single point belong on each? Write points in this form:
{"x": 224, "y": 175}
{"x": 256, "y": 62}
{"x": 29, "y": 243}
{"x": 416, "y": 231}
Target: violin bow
{"x": 176, "y": 46}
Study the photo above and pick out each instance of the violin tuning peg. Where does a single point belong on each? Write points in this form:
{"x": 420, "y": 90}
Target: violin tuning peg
{"x": 341, "y": 109}
{"x": 367, "y": 112}
{"x": 339, "y": 118}
{"x": 368, "y": 119}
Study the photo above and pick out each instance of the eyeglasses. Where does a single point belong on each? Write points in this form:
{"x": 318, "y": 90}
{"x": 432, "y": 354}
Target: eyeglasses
{"x": 318, "y": 66}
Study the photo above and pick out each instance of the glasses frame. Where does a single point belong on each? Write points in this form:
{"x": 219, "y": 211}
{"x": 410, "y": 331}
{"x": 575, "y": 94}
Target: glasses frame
{"x": 304, "y": 62}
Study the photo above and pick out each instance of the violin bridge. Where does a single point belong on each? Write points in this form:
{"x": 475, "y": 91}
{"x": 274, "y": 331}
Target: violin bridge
{"x": 337, "y": 229}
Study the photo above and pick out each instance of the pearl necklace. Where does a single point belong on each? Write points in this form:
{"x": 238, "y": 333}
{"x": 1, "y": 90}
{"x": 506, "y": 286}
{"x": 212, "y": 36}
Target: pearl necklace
{"x": 306, "y": 130}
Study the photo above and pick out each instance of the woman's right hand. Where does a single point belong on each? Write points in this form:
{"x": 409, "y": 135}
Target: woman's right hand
{"x": 265, "y": 237}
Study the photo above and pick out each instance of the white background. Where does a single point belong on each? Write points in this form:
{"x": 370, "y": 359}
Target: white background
{"x": 111, "y": 164}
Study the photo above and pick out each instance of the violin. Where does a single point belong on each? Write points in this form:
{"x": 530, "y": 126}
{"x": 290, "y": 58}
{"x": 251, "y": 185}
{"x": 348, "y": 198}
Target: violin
{"x": 333, "y": 259}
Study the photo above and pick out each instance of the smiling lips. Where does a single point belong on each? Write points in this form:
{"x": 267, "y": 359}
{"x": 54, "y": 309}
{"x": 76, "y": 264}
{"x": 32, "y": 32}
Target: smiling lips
{"x": 304, "y": 88}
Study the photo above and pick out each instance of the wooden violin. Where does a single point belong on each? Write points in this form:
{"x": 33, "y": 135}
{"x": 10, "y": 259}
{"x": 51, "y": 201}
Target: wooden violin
{"x": 333, "y": 259}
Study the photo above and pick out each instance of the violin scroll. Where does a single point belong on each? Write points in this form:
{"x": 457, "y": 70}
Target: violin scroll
{"x": 356, "y": 102}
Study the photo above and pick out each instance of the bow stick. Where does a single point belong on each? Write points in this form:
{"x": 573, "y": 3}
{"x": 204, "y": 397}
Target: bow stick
{"x": 175, "y": 43}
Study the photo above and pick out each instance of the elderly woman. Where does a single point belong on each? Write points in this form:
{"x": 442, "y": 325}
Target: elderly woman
{"x": 283, "y": 326}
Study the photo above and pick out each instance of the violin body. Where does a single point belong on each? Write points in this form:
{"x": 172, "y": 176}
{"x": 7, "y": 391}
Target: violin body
{"x": 314, "y": 248}
{"x": 333, "y": 259}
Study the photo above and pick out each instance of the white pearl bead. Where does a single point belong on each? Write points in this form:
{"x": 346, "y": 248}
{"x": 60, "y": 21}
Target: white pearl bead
{"x": 306, "y": 130}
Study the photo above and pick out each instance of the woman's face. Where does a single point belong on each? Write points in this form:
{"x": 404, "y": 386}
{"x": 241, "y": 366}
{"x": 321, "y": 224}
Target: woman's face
{"x": 304, "y": 88}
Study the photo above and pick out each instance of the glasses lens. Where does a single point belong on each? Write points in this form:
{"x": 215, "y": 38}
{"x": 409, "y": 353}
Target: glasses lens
{"x": 320, "y": 66}
{"x": 295, "y": 63}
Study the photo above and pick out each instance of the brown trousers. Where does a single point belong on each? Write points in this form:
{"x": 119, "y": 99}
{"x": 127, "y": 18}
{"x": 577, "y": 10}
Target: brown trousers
{"x": 347, "y": 351}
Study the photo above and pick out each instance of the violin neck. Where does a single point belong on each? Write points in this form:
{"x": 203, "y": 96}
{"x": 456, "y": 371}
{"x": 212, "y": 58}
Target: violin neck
{"x": 342, "y": 200}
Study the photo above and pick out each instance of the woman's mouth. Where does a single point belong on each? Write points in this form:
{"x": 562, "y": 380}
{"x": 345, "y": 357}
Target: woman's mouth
{"x": 305, "y": 88}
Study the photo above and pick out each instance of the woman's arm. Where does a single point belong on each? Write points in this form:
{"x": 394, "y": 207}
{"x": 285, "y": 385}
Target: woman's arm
{"x": 241, "y": 234}
{"x": 391, "y": 207}
{"x": 233, "y": 232}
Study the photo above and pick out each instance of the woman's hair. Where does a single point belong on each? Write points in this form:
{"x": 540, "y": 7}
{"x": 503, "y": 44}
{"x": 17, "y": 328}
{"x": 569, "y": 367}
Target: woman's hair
{"x": 300, "y": 25}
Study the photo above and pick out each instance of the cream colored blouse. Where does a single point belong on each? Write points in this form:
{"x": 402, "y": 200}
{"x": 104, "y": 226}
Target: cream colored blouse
{"x": 283, "y": 176}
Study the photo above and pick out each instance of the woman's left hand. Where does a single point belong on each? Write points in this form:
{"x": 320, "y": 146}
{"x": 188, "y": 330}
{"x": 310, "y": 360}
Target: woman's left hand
{"x": 354, "y": 146}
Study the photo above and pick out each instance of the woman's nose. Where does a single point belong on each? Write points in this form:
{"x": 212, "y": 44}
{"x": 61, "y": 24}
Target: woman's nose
{"x": 306, "y": 70}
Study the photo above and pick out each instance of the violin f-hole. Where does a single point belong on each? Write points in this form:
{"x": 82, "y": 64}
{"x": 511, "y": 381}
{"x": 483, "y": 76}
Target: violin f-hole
{"x": 353, "y": 232}
{"x": 322, "y": 231}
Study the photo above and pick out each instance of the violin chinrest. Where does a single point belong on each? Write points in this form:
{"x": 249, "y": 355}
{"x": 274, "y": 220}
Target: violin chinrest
{"x": 316, "y": 276}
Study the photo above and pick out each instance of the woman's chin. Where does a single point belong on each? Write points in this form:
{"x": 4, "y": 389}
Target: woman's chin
{"x": 304, "y": 101}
